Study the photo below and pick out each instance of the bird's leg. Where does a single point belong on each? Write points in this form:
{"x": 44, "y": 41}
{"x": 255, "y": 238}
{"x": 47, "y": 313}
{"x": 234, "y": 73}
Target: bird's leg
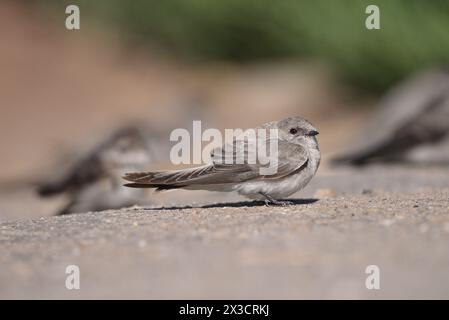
{"x": 270, "y": 200}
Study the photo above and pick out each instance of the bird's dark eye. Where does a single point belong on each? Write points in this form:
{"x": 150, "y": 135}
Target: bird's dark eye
{"x": 293, "y": 131}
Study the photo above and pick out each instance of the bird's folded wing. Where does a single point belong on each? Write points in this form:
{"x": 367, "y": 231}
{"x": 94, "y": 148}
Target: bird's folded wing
{"x": 239, "y": 159}
{"x": 288, "y": 159}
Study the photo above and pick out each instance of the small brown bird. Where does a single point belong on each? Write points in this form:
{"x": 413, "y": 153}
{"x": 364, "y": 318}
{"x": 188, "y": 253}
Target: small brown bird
{"x": 94, "y": 182}
{"x": 412, "y": 125}
{"x": 297, "y": 161}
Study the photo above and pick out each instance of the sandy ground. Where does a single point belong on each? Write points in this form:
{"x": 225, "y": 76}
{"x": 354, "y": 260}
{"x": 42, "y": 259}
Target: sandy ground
{"x": 396, "y": 218}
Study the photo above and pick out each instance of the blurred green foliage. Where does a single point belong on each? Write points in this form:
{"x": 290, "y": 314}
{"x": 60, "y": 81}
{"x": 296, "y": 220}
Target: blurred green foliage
{"x": 413, "y": 34}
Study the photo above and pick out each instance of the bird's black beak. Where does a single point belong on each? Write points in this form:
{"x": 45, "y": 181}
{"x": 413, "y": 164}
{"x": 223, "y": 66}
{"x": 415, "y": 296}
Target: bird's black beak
{"x": 312, "y": 133}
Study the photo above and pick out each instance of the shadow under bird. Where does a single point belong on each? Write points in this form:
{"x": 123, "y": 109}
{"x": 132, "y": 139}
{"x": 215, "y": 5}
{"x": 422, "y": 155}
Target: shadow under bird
{"x": 93, "y": 183}
{"x": 297, "y": 159}
{"x": 412, "y": 125}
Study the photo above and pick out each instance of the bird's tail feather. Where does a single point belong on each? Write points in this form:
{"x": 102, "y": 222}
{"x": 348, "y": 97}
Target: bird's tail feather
{"x": 165, "y": 180}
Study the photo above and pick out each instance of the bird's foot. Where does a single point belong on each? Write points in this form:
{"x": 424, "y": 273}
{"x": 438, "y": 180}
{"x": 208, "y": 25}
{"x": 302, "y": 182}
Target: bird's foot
{"x": 271, "y": 201}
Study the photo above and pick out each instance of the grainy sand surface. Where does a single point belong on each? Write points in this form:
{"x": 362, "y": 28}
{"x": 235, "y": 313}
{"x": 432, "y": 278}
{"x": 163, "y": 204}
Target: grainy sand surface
{"x": 395, "y": 217}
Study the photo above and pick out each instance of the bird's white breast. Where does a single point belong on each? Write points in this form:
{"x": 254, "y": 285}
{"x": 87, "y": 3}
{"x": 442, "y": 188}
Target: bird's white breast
{"x": 284, "y": 187}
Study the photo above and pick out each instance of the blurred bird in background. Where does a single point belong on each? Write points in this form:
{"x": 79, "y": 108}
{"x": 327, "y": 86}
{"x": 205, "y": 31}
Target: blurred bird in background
{"x": 93, "y": 183}
{"x": 412, "y": 125}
